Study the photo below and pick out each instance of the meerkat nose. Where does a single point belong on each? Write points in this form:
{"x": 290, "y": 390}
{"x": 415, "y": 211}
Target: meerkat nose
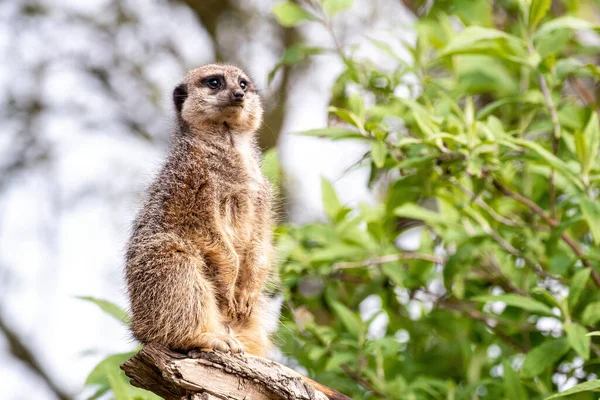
{"x": 237, "y": 95}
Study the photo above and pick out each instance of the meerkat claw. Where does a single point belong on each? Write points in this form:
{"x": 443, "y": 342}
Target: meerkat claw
{"x": 219, "y": 342}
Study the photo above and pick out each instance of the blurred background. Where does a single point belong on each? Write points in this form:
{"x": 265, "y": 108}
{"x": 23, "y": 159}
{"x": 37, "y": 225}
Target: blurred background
{"x": 85, "y": 116}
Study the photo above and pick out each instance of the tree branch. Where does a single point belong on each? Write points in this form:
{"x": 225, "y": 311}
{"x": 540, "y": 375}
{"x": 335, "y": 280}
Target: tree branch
{"x": 550, "y": 221}
{"x": 215, "y": 375}
{"x": 20, "y": 350}
{"x": 555, "y": 124}
{"x": 389, "y": 258}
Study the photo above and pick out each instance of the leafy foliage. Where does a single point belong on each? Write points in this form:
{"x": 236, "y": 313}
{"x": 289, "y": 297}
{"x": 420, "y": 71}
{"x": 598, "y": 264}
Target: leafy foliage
{"x": 493, "y": 160}
{"x": 497, "y": 157}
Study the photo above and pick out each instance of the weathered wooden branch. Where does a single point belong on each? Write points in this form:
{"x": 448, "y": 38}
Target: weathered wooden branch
{"x": 215, "y": 375}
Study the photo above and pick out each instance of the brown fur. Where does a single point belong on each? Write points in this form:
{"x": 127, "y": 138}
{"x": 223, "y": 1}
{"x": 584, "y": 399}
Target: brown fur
{"x": 200, "y": 251}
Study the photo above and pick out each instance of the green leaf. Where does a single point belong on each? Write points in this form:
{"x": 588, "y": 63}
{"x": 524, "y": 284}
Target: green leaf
{"x": 350, "y": 320}
{"x": 333, "y": 133}
{"x": 335, "y": 362}
{"x": 378, "y": 153}
{"x": 590, "y": 143}
{"x": 271, "y": 167}
{"x": 331, "y": 202}
{"x": 333, "y": 7}
{"x": 591, "y": 213}
{"x": 582, "y": 150}
{"x": 582, "y": 387}
{"x": 566, "y": 22}
{"x": 544, "y": 356}
{"x": 109, "y": 308}
{"x": 98, "y": 374}
{"x": 118, "y": 384}
{"x": 591, "y": 314}
{"x": 394, "y": 272}
{"x": 512, "y": 384}
{"x": 411, "y": 210}
{"x": 578, "y": 339}
{"x": 577, "y": 286}
{"x": 595, "y": 333}
{"x": 550, "y": 159}
{"x": 291, "y": 14}
{"x": 357, "y": 106}
{"x": 514, "y": 300}
{"x": 486, "y": 41}
{"x": 294, "y": 55}
{"x": 560, "y": 264}
{"x": 537, "y": 11}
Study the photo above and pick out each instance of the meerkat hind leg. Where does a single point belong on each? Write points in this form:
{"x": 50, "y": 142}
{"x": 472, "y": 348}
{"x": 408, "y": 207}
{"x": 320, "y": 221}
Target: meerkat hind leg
{"x": 212, "y": 333}
{"x": 176, "y": 305}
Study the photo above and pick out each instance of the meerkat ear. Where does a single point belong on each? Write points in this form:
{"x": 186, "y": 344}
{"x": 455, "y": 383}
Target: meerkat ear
{"x": 179, "y": 95}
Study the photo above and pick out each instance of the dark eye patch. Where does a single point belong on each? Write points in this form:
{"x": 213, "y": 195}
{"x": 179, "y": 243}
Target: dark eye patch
{"x": 180, "y": 93}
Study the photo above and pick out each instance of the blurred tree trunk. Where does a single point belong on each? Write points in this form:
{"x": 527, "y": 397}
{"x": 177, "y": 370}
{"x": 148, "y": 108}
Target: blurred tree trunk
{"x": 210, "y": 14}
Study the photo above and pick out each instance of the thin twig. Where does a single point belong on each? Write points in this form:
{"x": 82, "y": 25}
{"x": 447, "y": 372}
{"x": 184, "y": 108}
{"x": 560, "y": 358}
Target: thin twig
{"x": 479, "y": 201}
{"x": 550, "y": 221}
{"x": 556, "y": 129}
{"x": 361, "y": 381}
{"x": 389, "y": 258}
{"x": 515, "y": 252}
{"x": 494, "y": 265}
{"x": 586, "y": 96}
{"x": 463, "y": 307}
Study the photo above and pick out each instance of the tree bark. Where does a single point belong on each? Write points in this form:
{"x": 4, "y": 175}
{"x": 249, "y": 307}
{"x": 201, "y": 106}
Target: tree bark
{"x": 215, "y": 375}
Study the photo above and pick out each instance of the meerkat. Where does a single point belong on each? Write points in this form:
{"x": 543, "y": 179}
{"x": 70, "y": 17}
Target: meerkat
{"x": 200, "y": 251}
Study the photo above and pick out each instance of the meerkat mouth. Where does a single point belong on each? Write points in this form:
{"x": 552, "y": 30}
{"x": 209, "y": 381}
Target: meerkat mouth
{"x": 233, "y": 107}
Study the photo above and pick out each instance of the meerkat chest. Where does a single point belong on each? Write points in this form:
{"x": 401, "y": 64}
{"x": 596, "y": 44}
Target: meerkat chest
{"x": 243, "y": 203}
{"x": 249, "y": 162}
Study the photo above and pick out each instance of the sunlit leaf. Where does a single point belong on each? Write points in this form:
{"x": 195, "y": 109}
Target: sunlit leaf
{"x": 515, "y": 300}
{"x": 333, "y": 7}
{"x": 591, "y": 212}
{"x": 582, "y": 387}
{"x": 591, "y": 314}
{"x": 537, "y": 11}
{"x": 331, "y": 202}
{"x": 98, "y": 374}
{"x": 588, "y": 144}
{"x": 109, "y": 308}
{"x": 577, "y": 286}
{"x": 378, "y": 153}
{"x": 513, "y": 387}
{"x": 544, "y": 356}
{"x": 118, "y": 384}
{"x": 291, "y": 14}
{"x": 578, "y": 339}
{"x": 487, "y": 41}
{"x": 271, "y": 167}
{"x": 350, "y": 320}
{"x": 333, "y": 133}
{"x": 566, "y": 22}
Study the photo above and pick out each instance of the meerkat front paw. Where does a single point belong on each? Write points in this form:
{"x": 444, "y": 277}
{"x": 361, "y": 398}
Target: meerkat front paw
{"x": 217, "y": 341}
{"x": 246, "y": 300}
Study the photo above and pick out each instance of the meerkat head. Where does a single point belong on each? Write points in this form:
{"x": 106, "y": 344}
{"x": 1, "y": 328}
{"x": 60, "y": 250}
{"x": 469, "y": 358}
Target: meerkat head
{"x": 218, "y": 95}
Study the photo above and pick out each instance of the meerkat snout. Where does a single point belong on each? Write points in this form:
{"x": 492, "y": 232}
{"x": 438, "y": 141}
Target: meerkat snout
{"x": 237, "y": 96}
{"x": 217, "y": 97}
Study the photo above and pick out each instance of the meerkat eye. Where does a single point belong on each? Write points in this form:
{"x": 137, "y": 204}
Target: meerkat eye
{"x": 244, "y": 85}
{"x": 213, "y": 83}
